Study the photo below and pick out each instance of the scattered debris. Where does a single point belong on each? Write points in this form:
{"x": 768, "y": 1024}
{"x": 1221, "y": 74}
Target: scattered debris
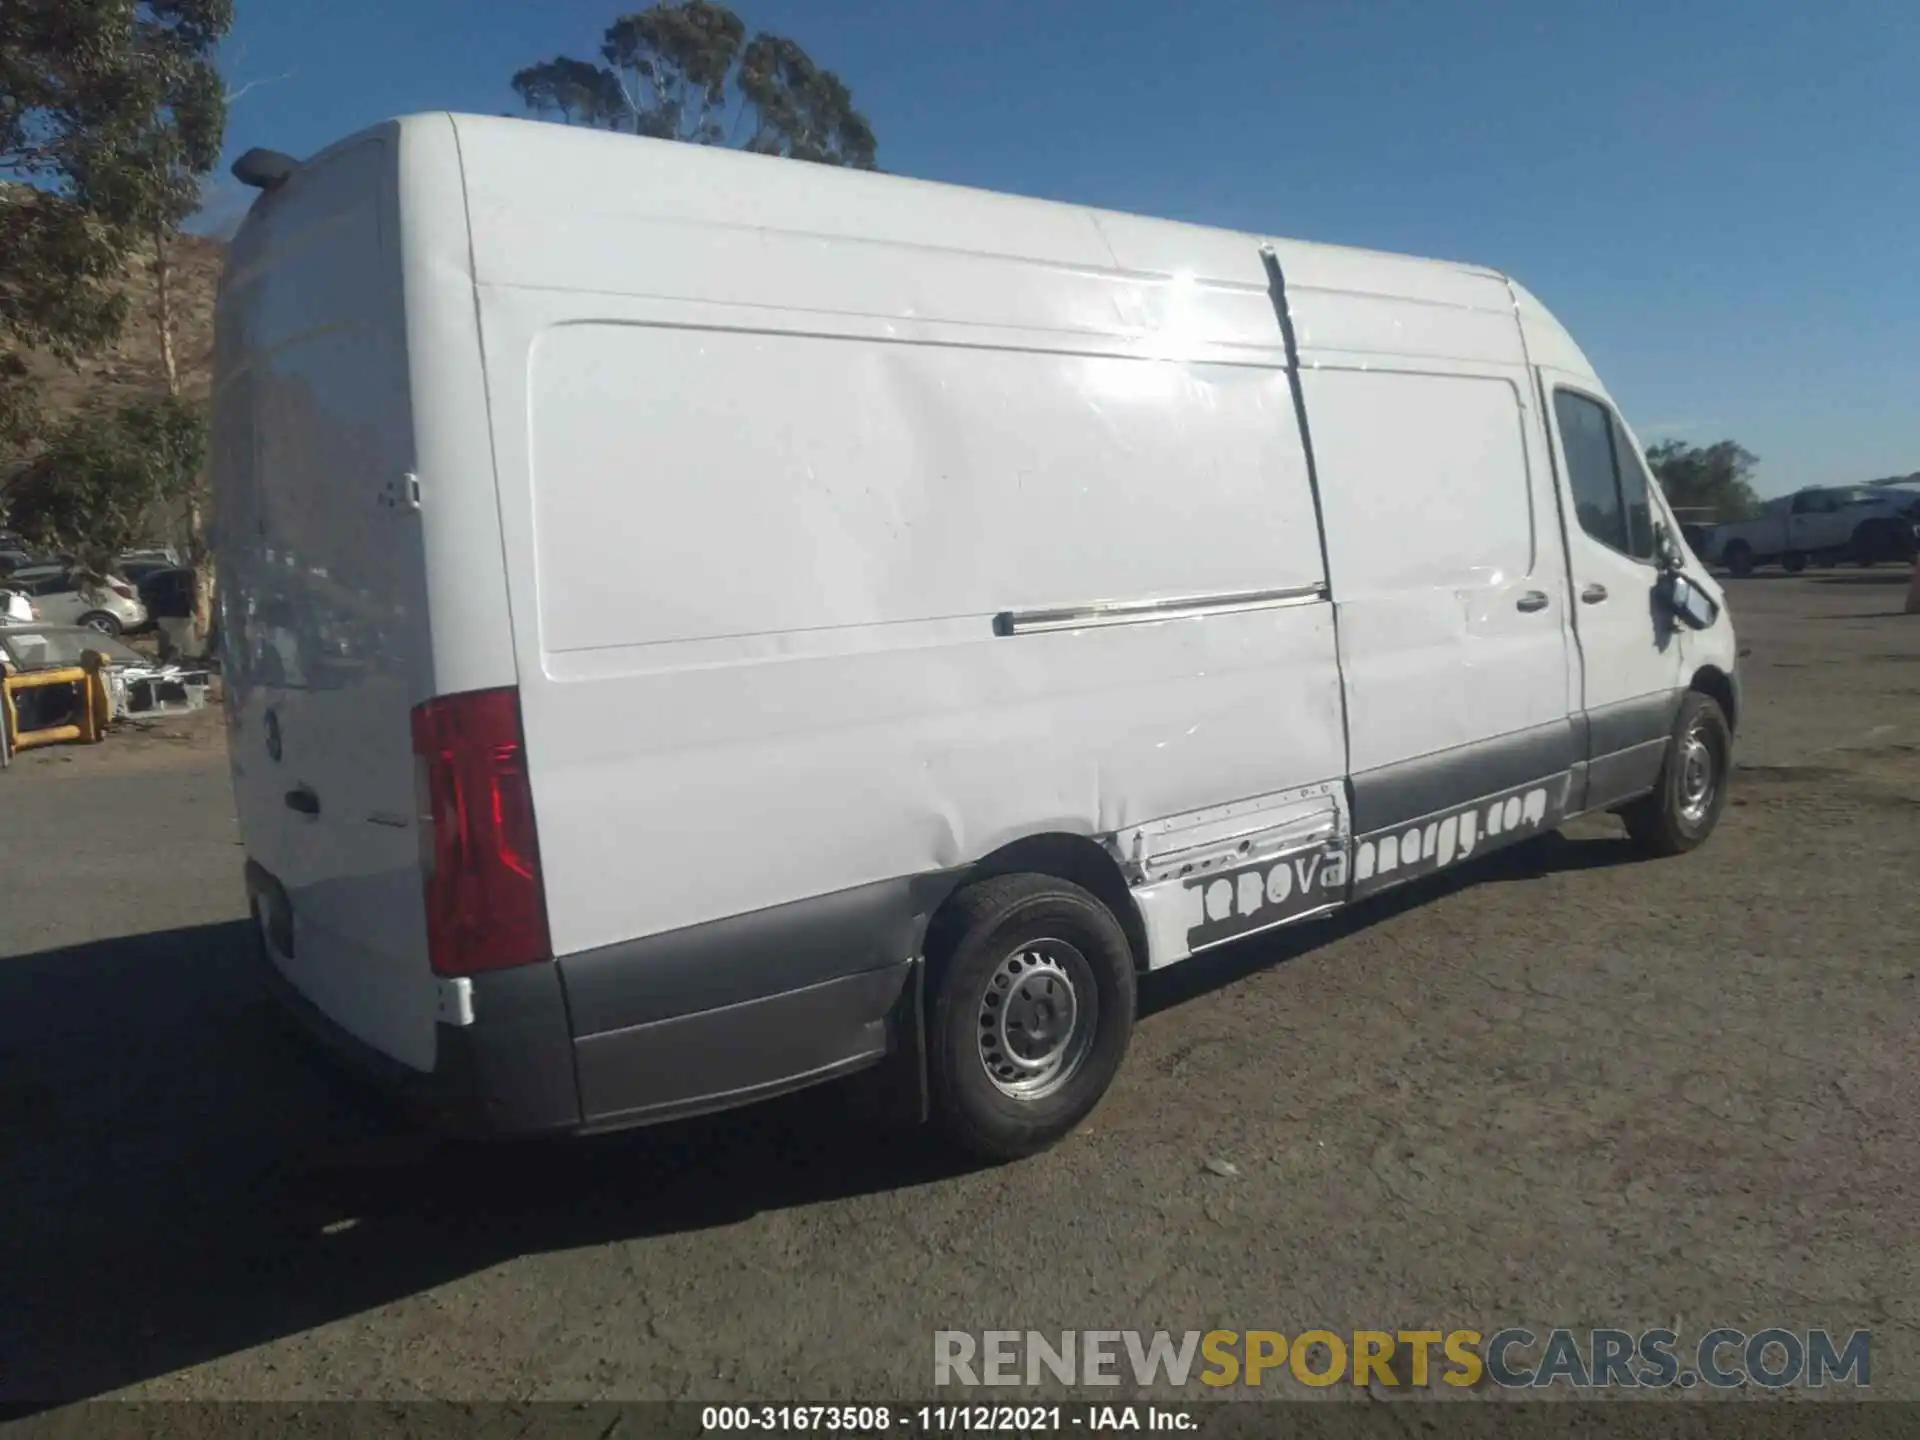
{"x": 1225, "y": 1169}
{"x": 156, "y": 690}
{"x": 136, "y": 684}
{"x": 65, "y": 684}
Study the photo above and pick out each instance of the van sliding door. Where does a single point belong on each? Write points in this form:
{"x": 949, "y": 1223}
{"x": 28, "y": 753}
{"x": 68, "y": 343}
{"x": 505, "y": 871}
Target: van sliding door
{"x": 1449, "y": 587}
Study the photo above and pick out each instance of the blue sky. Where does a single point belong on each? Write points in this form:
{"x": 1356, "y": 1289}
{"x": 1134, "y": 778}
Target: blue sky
{"x": 1721, "y": 198}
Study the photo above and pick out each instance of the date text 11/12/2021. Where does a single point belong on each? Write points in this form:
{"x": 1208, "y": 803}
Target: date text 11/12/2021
{"x": 945, "y": 1419}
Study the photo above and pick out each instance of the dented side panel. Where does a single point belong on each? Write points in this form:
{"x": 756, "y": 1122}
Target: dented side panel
{"x": 756, "y": 559}
{"x": 769, "y": 491}
{"x": 1229, "y": 872}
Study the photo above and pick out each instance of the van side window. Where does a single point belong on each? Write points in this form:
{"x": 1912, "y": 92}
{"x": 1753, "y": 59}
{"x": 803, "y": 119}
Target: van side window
{"x": 1634, "y": 485}
{"x": 1813, "y": 502}
{"x": 1611, "y": 488}
{"x": 1586, "y": 439}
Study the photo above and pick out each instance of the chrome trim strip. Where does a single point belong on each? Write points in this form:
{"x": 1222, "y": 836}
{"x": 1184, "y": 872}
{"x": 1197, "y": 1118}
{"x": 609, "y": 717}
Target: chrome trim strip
{"x": 1137, "y": 612}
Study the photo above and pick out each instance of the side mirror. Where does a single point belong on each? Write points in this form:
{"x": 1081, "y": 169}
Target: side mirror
{"x": 1690, "y": 605}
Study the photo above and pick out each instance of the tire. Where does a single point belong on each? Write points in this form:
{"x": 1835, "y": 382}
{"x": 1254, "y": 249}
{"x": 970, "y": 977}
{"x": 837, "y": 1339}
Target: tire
{"x": 1691, "y": 793}
{"x": 1793, "y": 562}
{"x": 100, "y": 620}
{"x": 1740, "y": 558}
{"x": 1045, "y": 941}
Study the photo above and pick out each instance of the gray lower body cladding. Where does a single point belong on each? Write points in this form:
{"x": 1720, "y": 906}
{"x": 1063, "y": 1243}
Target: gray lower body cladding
{"x": 678, "y": 1024}
{"x": 1413, "y": 789}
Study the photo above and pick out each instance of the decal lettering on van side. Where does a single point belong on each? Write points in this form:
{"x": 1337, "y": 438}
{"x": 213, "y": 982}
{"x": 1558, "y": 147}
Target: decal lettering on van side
{"x": 1253, "y": 897}
{"x": 1389, "y": 856}
{"x": 1239, "y": 902}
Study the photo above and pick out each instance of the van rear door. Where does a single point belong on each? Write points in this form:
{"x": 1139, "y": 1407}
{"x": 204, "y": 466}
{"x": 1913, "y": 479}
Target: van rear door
{"x": 323, "y": 587}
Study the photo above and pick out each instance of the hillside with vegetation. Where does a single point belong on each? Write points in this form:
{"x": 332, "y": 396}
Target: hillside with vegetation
{"x": 132, "y": 367}
{"x": 115, "y": 455}
{"x": 112, "y": 115}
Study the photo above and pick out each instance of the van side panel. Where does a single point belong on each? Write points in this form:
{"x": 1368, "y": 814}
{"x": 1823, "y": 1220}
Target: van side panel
{"x": 764, "y": 495}
{"x": 845, "y": 484}
{"x": 775, "y": 624}
{"x": 1437, "y": 540}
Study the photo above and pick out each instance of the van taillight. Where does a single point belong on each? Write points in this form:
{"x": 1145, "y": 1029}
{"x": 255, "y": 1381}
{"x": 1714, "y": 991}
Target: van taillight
{"x": 479, "y": 854}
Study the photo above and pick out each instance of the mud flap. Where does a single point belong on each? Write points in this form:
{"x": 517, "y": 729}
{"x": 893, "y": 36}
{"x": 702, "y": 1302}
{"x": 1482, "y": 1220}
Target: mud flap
{"x": 894, "y": 1094}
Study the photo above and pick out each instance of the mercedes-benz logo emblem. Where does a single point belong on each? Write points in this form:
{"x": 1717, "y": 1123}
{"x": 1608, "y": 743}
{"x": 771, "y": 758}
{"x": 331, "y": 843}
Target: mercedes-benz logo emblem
{"x": 273, "y": 736}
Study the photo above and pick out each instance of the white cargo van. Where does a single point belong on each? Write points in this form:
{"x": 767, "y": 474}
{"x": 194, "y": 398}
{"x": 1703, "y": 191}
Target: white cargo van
{"x": 701, "y": 624}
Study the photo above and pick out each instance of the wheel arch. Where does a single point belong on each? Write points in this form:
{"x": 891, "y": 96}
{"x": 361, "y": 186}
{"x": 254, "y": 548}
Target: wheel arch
{"x": 1076, "y": 859}
{"x": 899, "y": 1088}
{"x": 1712, "y": 680}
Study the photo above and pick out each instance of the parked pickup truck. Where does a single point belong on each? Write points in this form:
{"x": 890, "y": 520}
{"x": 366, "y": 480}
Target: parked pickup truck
{"x": 1819, "y": 525}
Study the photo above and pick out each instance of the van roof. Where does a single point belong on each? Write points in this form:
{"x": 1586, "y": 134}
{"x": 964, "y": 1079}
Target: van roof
{"x": 614, "y": 186}
{"x": 744, "y": 168}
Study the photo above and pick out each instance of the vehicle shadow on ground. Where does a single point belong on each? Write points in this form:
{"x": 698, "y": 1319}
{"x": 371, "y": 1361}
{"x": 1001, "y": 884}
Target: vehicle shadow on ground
{"x": 182, "y": 1182}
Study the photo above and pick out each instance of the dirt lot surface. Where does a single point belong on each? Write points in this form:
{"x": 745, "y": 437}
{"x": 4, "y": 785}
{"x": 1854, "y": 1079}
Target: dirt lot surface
{"x": 1563, "y": 1087}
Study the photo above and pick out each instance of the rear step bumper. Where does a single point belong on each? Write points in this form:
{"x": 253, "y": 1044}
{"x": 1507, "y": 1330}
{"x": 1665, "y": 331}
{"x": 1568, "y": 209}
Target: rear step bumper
{"x": 519, "y": 1069}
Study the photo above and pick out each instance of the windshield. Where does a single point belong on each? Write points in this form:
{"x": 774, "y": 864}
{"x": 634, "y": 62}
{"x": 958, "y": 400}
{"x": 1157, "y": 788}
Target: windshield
{"x": 50, "y": 647}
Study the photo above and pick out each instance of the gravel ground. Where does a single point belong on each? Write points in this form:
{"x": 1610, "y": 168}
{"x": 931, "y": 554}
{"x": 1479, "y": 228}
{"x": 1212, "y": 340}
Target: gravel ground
{"x": 1560, "y": 1087}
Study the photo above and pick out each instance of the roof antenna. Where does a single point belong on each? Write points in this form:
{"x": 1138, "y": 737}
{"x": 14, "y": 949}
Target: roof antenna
{"x": 264, "y": 169}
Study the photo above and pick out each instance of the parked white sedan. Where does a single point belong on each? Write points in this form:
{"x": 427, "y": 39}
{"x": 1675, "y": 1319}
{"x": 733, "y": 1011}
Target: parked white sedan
{"x": 64, "y": 597}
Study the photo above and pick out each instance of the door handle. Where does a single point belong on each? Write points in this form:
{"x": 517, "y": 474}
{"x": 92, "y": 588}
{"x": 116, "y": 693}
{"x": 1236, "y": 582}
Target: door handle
{"x": 304, "y": 800}
{"x": 1531, "y": 601}
{"x": 1593, "y": 594}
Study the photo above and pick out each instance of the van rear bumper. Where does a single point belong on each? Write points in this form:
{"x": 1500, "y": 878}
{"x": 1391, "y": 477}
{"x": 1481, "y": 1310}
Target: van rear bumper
{"x": 521, "y": 1069}
{"x": 512, "y": 1078}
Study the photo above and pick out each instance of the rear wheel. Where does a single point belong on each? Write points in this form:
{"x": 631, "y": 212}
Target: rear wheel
{"x": 1032, "y": 1007}
{"x": 100, "y": 620}
{"x": 1692, "y": 791}
{"x": 1740, "y": 558}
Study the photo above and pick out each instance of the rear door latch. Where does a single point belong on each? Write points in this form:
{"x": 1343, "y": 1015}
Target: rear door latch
{"x": 402, "y": 493}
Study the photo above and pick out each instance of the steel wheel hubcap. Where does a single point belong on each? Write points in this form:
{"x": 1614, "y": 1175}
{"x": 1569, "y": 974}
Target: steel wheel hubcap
{"x": 1037, "y": 1018}
{"x": 1697, "y": 766}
